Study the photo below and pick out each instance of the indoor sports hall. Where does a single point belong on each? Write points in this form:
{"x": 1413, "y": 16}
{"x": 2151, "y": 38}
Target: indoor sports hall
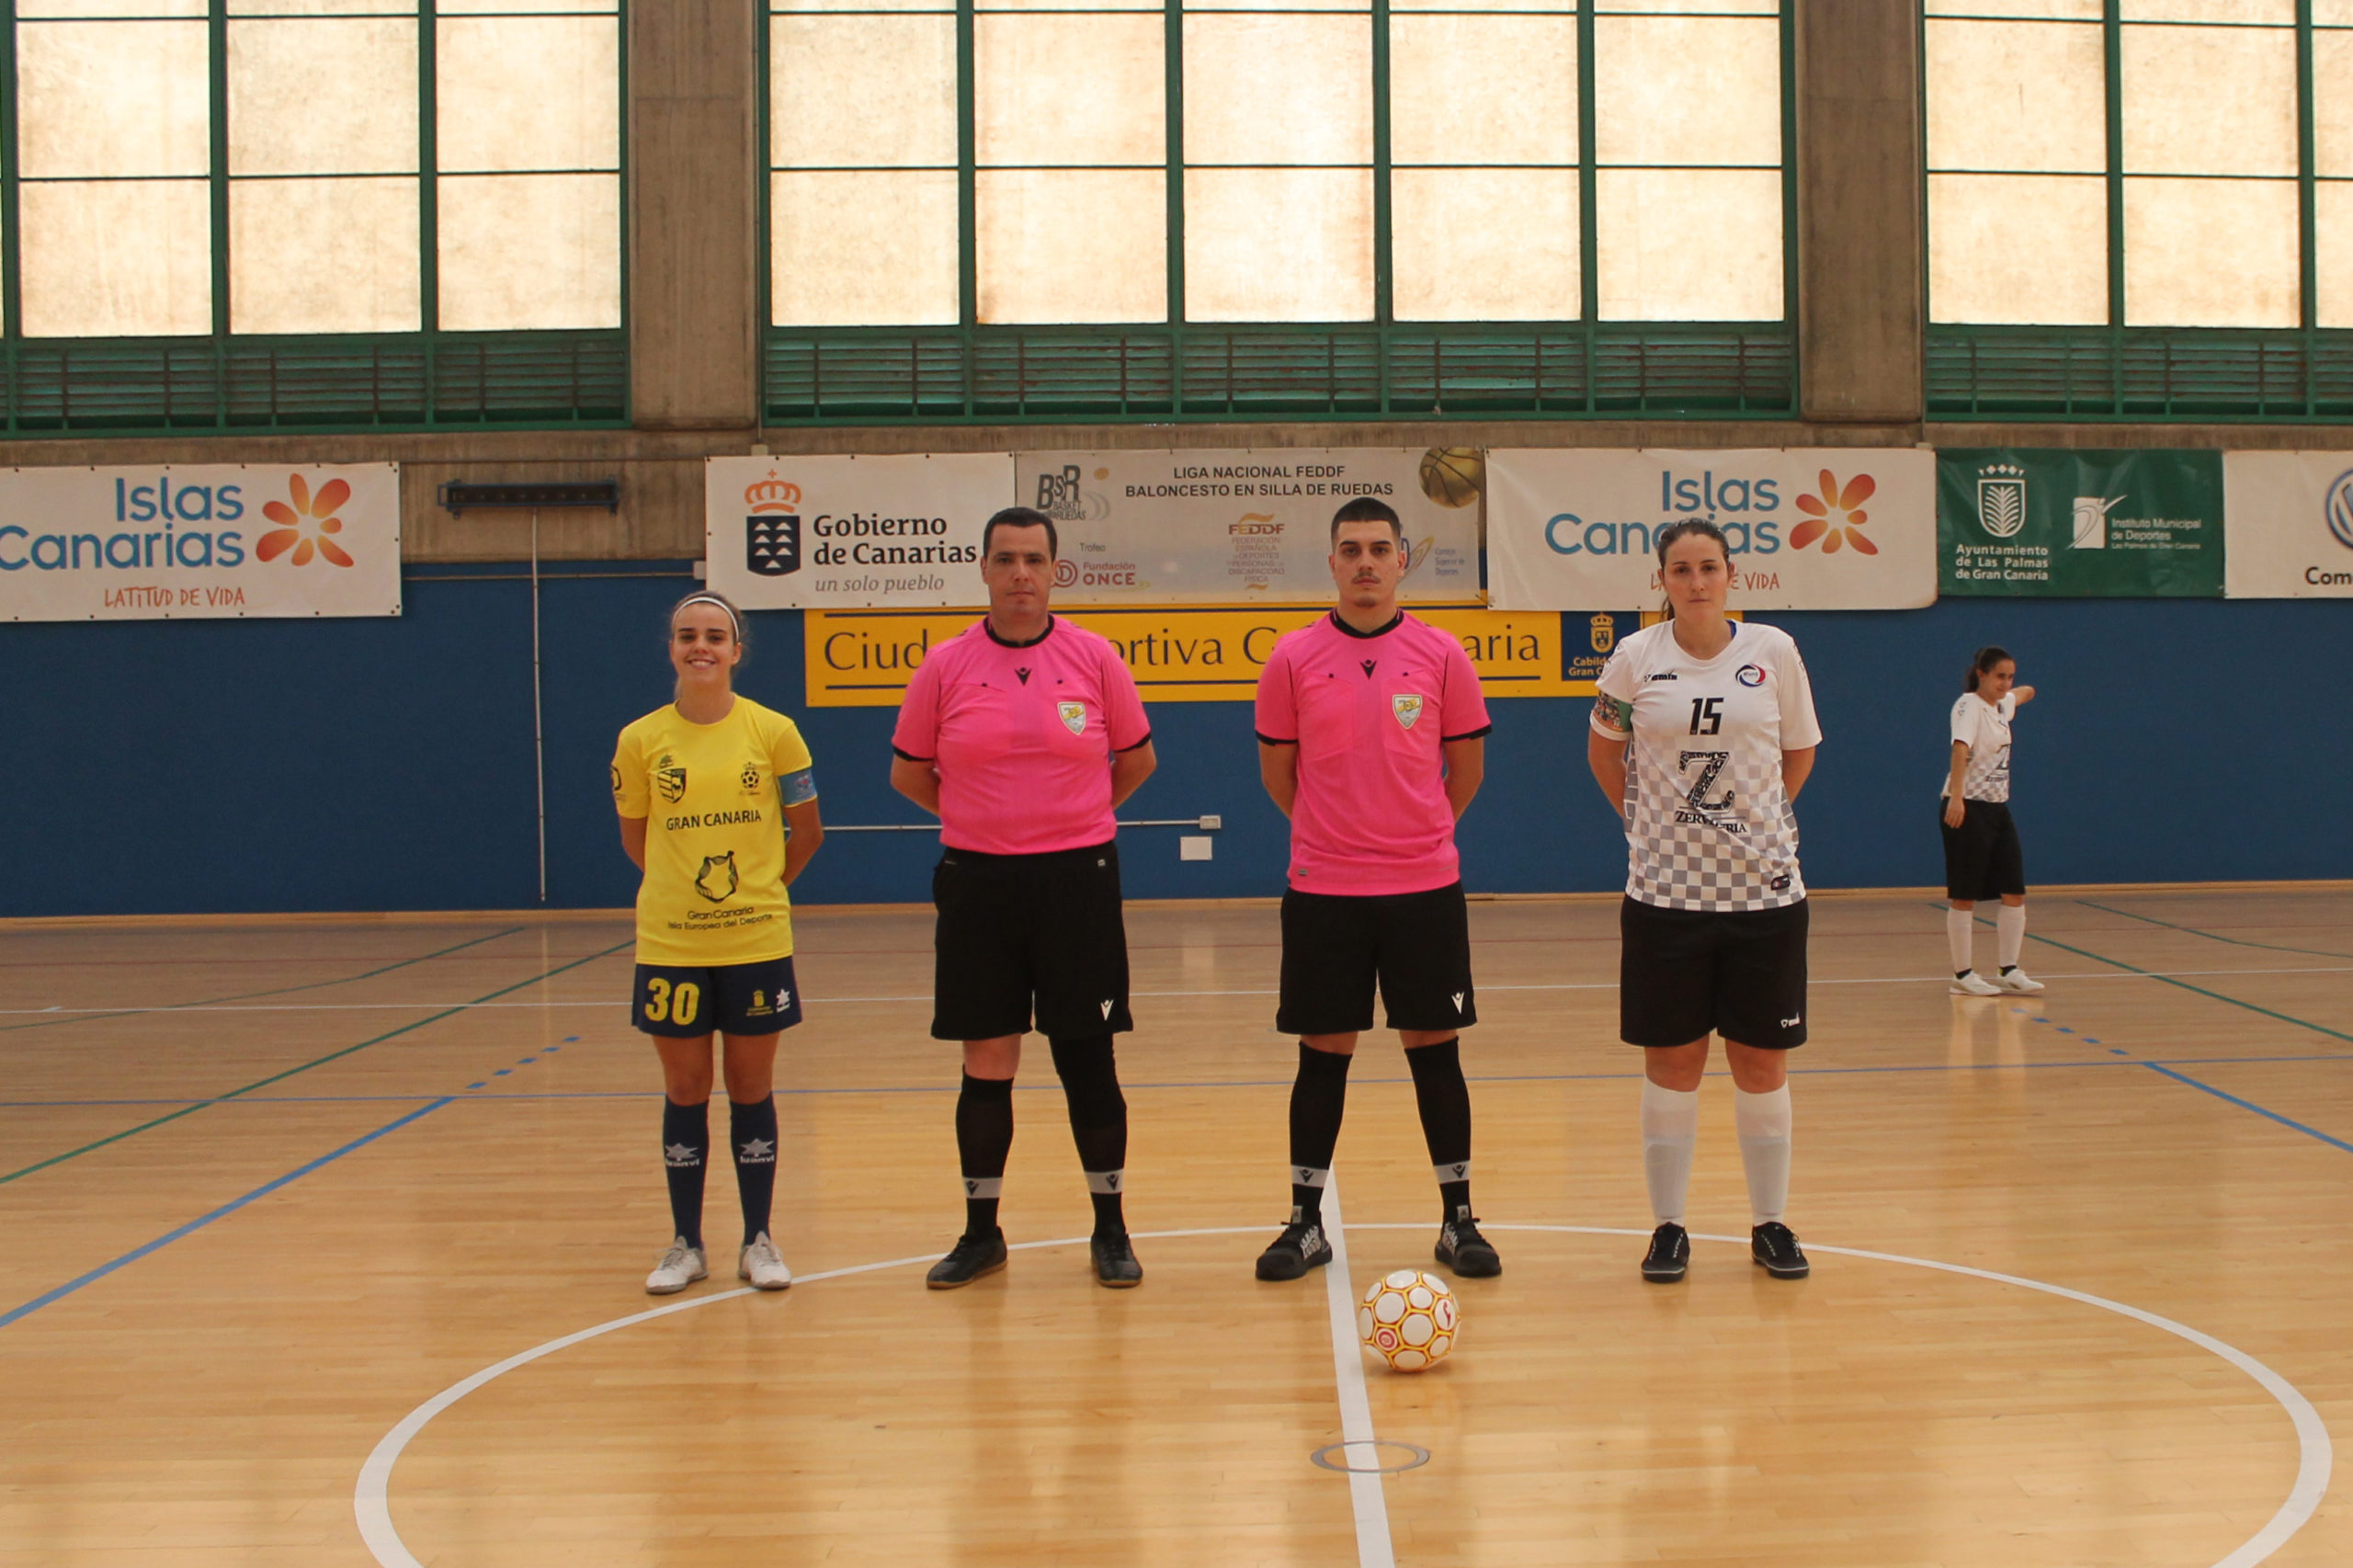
{"x": 403, "y": 401}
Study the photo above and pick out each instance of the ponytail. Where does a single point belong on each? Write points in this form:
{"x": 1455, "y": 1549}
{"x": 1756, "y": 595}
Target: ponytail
{"x": 1982, "y": 663}
{"x": 1685, "y": 530}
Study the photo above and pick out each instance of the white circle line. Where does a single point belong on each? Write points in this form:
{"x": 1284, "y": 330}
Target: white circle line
{"x": 371, "y": 1502}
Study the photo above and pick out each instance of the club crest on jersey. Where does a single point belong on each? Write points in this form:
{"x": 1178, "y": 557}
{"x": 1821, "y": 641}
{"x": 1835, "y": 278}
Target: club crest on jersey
{"x": 751, "y": 777}
{"x": 1408, "y": 706}
{"x": 670, "y": 779}
{"x": 1750, "y": 674}
{"x": 1074, "y": 715}
{"x": 716, "y": 881}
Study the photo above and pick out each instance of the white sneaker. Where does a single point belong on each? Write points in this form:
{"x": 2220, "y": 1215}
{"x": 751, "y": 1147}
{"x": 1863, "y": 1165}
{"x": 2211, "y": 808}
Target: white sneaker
{"x": 2015, "y": 979}
{"x": 680, "y": 1267}
{"x": 1975, "y": 985}
{"x": 764, "y": 1265}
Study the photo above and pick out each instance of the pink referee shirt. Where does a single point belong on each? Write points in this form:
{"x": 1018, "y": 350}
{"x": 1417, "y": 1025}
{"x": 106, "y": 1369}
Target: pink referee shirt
{"x": 1370, "y": 713}
{"x": 1022, "y": 735}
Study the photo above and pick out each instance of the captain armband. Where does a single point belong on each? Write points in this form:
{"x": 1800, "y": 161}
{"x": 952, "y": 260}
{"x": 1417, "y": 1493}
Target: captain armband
{"x": 1613, "y": 715}
{"x": 800, "y": 788}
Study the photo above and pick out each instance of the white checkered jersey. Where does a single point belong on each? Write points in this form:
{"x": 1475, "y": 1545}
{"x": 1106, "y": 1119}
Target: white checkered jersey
{"x": 1985, "y": 728}
{"x": 1708, "y": 824}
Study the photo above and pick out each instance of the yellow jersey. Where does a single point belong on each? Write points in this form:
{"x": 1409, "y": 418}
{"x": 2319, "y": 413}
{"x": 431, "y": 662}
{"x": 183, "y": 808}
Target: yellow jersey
{"x": 713, "y": 891}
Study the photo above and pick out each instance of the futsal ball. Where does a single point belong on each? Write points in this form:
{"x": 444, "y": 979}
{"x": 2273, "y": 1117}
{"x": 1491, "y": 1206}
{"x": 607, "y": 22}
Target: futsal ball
{"x": 1453, "y": 476}
{"x": 1409, "y": 1320}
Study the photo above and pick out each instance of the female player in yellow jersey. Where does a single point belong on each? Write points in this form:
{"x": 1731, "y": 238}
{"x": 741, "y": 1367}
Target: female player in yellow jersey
{"x": 699, "y": 785}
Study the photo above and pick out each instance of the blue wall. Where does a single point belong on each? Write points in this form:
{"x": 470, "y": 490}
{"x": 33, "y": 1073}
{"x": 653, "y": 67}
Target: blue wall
{"x": 357, "y": 765}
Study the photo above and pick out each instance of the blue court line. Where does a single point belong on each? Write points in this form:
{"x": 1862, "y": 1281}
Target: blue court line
{"x": 264, "y": 1190}
{"x": 2247, "y": 1105}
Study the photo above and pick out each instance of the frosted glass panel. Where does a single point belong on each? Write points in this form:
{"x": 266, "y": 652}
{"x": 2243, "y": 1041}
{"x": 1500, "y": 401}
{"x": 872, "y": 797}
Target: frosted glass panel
{"x": 1279, "y": 245}
{"x": 1065, "y": 89}
{"x": 112, "y": 99}
{"x": 2333, "y": 13}
{"x": 1278, "y": 89}
{"x": 528, "y": 93}
{"x": 1524, "y": 107}
{"x": 456, "y": 7}
{"x": 2279, "y": 13}
{"x": 124, "y": 259}
{"x": 2333, "y": 102}
{"x": 2062, "y": 10}
{"x": 1072, "y": 245}
{"x": 2210, "y": 100}
{"x": 525, "y": 252}
{"x": 816, "y": 7}
{"x": 1689, "y": 245}
{"x": 325, "y": 9}
{"x": 1357, "y": 6}
{"x": 2028, "y": 249}
{"x": 2209, "y": 253}
{"x": 1556, "y": 8}
{"x": 277, "y": 121}
{"x": 2017, "y": 95}
{"x": 1687, "y": 90}
{"x": 986, "y": 6}
{"x": 863, "y": 249}
{"x": 1689, "y": 7}
{"x": 323, "y": 255}
{"x": 863, "y": 91}
{"x": 1484, "y": 244}
{"x": 35, "y": 10}
{"x": 2332, "y": 247}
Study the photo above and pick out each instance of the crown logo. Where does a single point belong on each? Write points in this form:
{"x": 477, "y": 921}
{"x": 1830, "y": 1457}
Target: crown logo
{"x": 772, "y": 494}
{"x": 2002, "y": 470}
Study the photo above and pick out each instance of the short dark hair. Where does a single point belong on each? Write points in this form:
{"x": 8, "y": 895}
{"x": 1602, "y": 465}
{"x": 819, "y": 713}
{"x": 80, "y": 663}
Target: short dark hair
{"x": 1982, "y": 663}
{"x": 1366, "y": 509}
{"x": 1021, "y": 517}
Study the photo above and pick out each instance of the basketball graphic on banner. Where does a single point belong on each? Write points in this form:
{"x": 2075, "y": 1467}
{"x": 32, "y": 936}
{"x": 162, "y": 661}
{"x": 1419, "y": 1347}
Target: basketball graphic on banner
{"x": 1453, "y": 476}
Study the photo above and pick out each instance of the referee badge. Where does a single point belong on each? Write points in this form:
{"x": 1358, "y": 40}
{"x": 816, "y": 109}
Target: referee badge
{"x": 1073, "y": 716}
{"x": 1408, "y": 706}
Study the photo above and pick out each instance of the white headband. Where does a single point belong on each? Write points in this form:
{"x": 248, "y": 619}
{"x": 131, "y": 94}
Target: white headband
{"x": 723, "y": 604}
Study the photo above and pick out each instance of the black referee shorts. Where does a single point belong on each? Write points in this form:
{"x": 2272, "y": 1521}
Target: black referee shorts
{"x": 1981, "y": 856}
{"x": 1024, "y": 932}
{"x": 1414, "y": 945}
{"x": 1685, "y": 973}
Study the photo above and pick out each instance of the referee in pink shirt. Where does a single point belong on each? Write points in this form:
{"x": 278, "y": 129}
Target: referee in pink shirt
{"x": 1021, "y": 733}
{"x": 1371, "y": 738}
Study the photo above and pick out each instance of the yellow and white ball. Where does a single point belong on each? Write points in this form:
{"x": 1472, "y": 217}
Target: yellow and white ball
{"x": 1410, "y": 1320}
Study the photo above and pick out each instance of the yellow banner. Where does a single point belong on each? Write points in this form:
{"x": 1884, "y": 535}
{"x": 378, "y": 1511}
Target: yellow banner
{"x": 1208, "y": 653}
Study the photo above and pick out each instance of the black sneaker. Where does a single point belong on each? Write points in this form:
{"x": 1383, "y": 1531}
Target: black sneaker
{"x": 1775, "y": 1248}
{"x": 1669, "y": 1256}
{"x": 1301, "y": 1247}
{"x": 1115, "y": 1261}
{"x": 1461, "y": 1249}
{"x": 970, "y": 1258}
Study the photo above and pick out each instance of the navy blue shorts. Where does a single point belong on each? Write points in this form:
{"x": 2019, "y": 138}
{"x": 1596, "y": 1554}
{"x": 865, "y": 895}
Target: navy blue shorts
{"x": 685, "y": 1002}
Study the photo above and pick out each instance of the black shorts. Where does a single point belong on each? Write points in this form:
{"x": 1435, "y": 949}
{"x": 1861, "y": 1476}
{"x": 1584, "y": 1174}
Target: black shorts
{"x": 683, "y": 1001}
{"x": 1023, "y": 931}
{"x": 1683, "y": 973}
{"x": 1981, "y": 856}
{"x": 1414, "y": 945}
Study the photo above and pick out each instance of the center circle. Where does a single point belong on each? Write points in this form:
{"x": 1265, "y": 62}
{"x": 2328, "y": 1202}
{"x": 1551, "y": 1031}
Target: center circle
{"x": 1416, "y": 1456}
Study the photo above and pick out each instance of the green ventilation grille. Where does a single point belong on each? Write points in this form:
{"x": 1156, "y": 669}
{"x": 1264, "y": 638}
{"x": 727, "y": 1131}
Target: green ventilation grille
{"x": 2138, "y": 373}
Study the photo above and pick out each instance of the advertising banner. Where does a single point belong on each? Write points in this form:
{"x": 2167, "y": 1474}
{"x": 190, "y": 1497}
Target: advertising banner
{"x": 812, "y": 532}
{"x": 1807, "y": 528}
{"x": 2021, "y": 524}
{"x": 1249, "y": 527}
{"x": 216, "y": 541}
{"x": 1205, "y": 653}
{"x": 2289, "y": 524}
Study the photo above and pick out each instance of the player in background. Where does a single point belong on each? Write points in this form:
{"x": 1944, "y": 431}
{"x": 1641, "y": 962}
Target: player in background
{"x": 719, "y": 809}
{"x": 1718, "y": 717}
{"x": 1981, "y": 856}
{"x": 1371, "y": 739}
{"x": 1022, "y": 734}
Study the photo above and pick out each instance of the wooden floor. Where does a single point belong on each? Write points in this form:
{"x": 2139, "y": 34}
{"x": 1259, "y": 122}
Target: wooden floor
{"x": 267, "y": 1189}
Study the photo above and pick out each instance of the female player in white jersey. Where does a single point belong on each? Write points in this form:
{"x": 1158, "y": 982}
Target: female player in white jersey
{"x": 1703, "y": 735}
{"x": 719, "y": 809}
{"x": 1981, "y": 856}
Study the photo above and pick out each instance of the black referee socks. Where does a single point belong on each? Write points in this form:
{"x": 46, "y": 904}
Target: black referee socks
{"x": 1098, "y": 1122}
{"x": 686, "y": 1155}
{"x": 751, "y": 1128}
{"x": 984, "y": 1139}
{"x": 1319, "y": 1096}
{"x": 1445, "y": 1101}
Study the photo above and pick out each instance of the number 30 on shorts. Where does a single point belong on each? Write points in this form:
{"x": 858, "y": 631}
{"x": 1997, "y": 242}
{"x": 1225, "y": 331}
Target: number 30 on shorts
{"x": 672, "y": 1004}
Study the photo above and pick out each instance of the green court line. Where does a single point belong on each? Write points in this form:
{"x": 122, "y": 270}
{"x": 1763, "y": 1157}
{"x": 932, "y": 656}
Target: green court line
{"x": 249, "y": 995}
{"x": 2192, "y": 930}
{"x": 319, "y": 1061}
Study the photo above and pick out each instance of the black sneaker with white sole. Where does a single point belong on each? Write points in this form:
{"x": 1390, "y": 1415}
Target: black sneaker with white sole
{"x": 1670, "y": 1255}
{"x": 1115, "y": 1261}
{"x": 1775, "y": 1248}
{"x": 970, "y": 1258}
{"x": 1301, "y": 1247}
{"x": 1461, "y": 1249}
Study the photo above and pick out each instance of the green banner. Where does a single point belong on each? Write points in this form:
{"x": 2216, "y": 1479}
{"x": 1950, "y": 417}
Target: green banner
{"x": 2014, "y": 523}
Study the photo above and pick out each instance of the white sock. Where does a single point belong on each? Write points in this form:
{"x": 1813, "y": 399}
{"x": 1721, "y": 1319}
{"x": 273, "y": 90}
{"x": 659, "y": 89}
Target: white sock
{"x": 1763, "y": 1121}
{"x": 1670, "y": 1132}
{"x": 1960, "y": 929}
{"x": 2009, "y": 933}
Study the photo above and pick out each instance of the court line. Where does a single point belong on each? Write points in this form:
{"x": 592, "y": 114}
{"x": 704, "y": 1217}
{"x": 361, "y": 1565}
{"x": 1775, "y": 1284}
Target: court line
{"x": 372, "y": 1499}
{"x": 264, "y": 1190}
{"x": 2246, "y": 1104}
{"x": 1367, "y": 1499}
{"x": 2209, "y": 935}
{"x": 290, "y": 1071}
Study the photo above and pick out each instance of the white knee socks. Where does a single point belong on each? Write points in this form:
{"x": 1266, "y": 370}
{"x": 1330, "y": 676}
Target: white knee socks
{"x": 1670, "y": 1132}
{"x": 1763, "y": 1121}
{"x": 2009, "y": 933}
{"x": 1960, "y": 926}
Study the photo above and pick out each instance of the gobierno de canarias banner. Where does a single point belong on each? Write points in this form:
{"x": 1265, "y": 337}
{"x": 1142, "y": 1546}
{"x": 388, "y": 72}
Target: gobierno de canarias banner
{"x": 2289, "y": 524}
{"x": 2062, "y": 523}
{"x": 790, "y": 532}
{"x": 1848, "y": 527}
{"x": 212, "y": 541}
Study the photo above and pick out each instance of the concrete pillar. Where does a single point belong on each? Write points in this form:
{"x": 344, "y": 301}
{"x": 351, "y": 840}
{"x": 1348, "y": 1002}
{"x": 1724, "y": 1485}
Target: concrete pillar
{"x": 693, "y": 252}
{"x": 1861, "y": 315}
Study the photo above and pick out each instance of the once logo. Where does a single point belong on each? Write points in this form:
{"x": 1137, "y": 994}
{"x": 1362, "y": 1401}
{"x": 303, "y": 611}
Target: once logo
{"x": 2338, "y": 508}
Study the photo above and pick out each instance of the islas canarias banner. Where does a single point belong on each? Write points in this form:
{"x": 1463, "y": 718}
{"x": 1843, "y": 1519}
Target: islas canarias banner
{"x": 210, "y": 540}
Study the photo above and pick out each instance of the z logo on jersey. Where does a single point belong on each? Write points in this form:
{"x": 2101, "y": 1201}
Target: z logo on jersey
{"x": 1698, "y": 808}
